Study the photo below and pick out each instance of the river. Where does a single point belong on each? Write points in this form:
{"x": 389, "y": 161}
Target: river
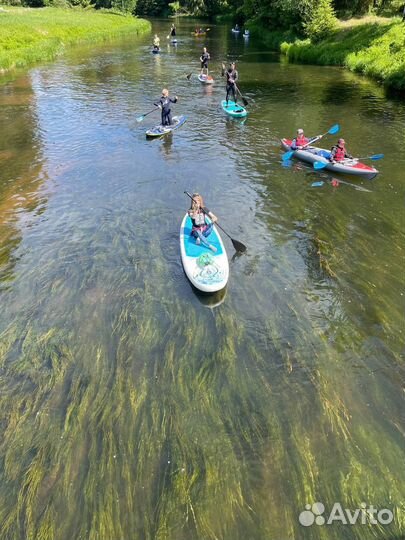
{"x": 130, "y": 406}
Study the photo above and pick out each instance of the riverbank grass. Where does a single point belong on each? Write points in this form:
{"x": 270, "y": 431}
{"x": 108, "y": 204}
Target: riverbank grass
{"x": 29, "y": 35}
{"x": 373, "y": 46}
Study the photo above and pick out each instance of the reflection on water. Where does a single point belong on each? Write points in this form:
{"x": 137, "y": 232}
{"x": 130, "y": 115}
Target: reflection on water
{"x": 127, "y": 409}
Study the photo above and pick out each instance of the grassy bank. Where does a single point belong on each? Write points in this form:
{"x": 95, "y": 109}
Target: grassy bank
{"x": 32, "y": 35}
{"x": 371, "y": 46}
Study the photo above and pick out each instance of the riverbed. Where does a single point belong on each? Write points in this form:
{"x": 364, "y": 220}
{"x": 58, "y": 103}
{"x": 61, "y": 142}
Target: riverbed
{"x": 130, "y": 405}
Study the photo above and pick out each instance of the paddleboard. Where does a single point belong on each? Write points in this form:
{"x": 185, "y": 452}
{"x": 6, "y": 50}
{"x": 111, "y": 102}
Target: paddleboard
{"x": 234, "y": 109}
{"x": 235, "y": 31}
{"x": 206, "y": 270}
{"x": 174, "y": 41}
{"x": 205, "y": 79}
{"x": 246, "y": 35}
{"x": 159, "y": 130}
{"x": 155, "y": 51}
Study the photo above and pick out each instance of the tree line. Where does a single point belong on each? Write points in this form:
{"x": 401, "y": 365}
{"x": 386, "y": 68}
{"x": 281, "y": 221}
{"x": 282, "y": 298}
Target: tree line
{"x": 313, "y": 18}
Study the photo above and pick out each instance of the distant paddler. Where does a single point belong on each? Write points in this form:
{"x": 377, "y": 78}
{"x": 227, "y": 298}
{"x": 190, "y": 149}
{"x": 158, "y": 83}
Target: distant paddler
{"x": 164, "y": 104}
{"x": 231, "y": 78}
{"x": 204, "y": 58}
{"x": 156, "y": 43}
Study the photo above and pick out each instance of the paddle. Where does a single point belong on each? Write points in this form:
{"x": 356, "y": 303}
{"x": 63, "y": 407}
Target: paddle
{"x": 374, "y": 158}
{"x": 188, "y": 76}
{"x": 245, "y": 101}
{"x": 332, "y": 131}
{"x": 321, "y": 165}
{"x": 237, "y": 245}
{"x": 140, "y": 118}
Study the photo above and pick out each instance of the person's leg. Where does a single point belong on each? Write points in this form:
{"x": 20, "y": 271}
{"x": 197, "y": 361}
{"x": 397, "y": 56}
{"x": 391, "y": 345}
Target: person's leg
{"x": 228, "y": 88}
{"x": 234, "y": 93}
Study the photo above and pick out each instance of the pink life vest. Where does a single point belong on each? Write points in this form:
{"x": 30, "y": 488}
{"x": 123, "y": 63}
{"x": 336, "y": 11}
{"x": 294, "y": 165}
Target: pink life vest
{"x": 301, "y": 140}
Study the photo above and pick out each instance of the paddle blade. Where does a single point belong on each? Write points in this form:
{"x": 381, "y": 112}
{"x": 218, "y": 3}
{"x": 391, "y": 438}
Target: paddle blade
{"x": 317, "y": 184}
{"x": 189, "y": 76}
{"x": 377, "y": 156}
{"x": 245, "y": 101}
{"x": 319, "y": 165}
{"x": 238, "y": 246}
{"x": 140, "y": 118}
{"x": 334, "y": 129}
{"x": 287, "y": 155}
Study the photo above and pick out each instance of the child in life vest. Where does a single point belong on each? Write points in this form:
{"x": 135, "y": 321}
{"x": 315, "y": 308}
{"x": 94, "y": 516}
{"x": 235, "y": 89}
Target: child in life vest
{"x": 301, "y": 141}
{"x": 339, "y": 152}
{"x": 202, "y": 227}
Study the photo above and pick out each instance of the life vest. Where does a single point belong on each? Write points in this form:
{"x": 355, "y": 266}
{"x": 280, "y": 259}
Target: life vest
{"x": 340, "y": 153}
{"x": 301, "y": 140}
{"x": 198, "y": 219}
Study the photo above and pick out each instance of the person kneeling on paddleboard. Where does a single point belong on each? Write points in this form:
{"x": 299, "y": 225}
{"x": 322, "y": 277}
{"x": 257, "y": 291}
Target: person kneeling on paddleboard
{"x": 201, "y": 226}
{"x": 164, "y": 104}
{"x": 339, "y": 152}
{"x": 231, "y": 78}
{"x": 301, "y": 141}
{"x": 204, "y": 61}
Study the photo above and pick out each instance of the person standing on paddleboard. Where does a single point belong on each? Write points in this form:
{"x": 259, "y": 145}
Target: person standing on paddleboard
{"x": 300, "y": 141}
{"x": 339, "y": 152}
{"x": 164, "y": 104}
{"x": 202, "y": 228}
{"x": 204, "y": 58}
{"x": 231, "y": 78}
{"x": 156, "y": 43}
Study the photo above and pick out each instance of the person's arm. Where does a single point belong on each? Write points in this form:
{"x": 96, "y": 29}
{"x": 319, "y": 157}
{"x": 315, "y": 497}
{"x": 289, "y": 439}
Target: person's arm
{"x": 347, "y": 155}
{"x": 311, "y": 140}
{"x": 158, "y": 103}
{"x": 212, "y": 216}
{"x": 332, "y": 154}
{"x": 174, "y": 100}
{"x": 294, "y": 144}
{"x": 236, "y": 77}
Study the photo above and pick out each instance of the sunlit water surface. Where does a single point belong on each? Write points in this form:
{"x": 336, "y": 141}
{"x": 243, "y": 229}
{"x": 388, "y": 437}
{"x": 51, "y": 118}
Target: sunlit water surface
{"x": 130, "y": 406}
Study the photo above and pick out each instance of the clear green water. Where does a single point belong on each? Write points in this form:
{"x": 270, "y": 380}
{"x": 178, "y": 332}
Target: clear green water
{"x": 131, "y": 407}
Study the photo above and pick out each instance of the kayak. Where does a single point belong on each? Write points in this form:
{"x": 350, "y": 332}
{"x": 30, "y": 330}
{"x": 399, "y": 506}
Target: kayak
{"x": 159, "y": 130}
{"x": 311, "y": 154}
{"x": 205, "y": 79}
{"x": 246, "y": 34}
{"x": 207, "y": 271}
{"x": 234, "y": 109}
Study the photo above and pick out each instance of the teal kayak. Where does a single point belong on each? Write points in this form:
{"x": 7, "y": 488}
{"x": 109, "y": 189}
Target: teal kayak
{"x": 234, "y": 109}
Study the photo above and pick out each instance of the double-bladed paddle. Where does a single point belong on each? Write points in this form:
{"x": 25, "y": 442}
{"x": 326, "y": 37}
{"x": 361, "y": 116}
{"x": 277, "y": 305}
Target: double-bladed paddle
{"x": 332, "y": 131}
{"x": 322, "y": 164}
{"x": 140, "y": 118}
{"x": 236, "y": 244}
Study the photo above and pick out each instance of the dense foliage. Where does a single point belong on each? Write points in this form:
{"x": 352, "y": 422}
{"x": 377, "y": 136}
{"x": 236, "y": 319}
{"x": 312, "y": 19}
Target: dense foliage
{"x": 306, "y": 18}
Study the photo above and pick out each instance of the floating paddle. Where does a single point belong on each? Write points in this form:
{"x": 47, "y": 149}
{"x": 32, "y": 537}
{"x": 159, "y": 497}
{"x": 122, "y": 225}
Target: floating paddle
{"x": 237, "y": 245}
{"x": 140, "y": 118}
{"x": 374, "y": 158}
{"x": 332, "y": 131}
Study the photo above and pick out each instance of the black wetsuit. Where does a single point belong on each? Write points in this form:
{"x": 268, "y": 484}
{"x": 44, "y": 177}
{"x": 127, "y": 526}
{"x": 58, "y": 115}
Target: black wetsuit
{"x": 165, "y": 102}
{"x": 173, "y": 32}
{"x": 204, "y": 60}
{"x": 231, "y": 78}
